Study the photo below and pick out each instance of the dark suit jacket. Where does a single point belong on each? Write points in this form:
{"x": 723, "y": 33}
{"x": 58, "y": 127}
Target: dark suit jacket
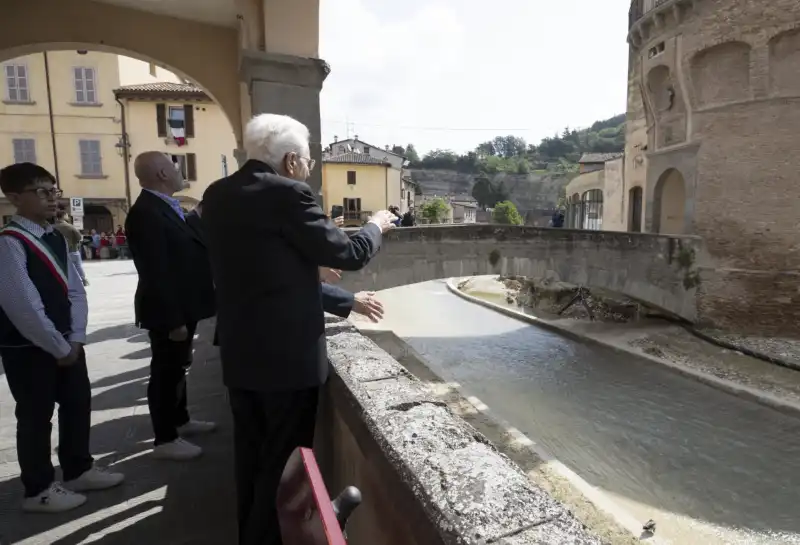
{"x": 267, "y": 237}
{"x": 335, "y": 300}
{"x": 175, "y": 283}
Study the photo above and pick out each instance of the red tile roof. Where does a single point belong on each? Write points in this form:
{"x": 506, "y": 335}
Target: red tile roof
{"x": 161, "y": 89}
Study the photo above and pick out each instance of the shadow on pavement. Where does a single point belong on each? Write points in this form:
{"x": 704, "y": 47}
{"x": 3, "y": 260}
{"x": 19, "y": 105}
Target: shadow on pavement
{"x": 116, "y": 332}
{"x": 161, "y": 503}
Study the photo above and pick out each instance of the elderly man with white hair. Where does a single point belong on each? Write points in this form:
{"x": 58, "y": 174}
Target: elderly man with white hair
{"x": 267, "y": 238}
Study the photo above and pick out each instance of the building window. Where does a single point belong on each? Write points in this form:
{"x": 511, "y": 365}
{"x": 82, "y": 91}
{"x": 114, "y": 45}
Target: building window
{"x": 186, "y": 165}
{"x": 352, "y": 209}
{"x": 351, "y": 177}
{"x": 85, "y": 86}
{"x": 366, "y": 150}
{"x": 17, "y": 89}
{"x": 176, "y": 122}
{"x": 91, "y": 160}
{"x": 24, "y": 150}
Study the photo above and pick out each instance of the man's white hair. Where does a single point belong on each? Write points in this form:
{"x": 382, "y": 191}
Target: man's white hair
{"x": 269, "y": 137}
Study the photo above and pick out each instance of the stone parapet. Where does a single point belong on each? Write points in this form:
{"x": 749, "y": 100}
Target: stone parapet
{"x": 427, "y": 477}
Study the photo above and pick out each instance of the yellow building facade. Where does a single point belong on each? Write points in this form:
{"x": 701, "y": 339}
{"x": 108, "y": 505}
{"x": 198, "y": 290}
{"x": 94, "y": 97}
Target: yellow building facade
{"x": 68, "y": 112}
{"x": 361, "y": 185}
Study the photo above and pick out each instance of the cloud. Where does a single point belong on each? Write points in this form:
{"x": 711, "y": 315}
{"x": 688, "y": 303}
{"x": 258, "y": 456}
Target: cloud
{"x": 432, "y": 72}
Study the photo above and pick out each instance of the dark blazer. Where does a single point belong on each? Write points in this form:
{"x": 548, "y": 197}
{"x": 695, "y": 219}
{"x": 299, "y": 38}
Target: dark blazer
{"x": 267, "y": 238}
{"x": 175, "y": 283}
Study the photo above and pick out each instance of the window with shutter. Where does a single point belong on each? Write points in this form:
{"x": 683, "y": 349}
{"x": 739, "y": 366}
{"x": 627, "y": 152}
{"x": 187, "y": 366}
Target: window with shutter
{"x": 24, "y": 150}
{"x": 85, "y": 85}
{"x": 188, "y": 118}
{"x": 91, "y": 159}
{"x": 161, "y": 120}
{"x": 17, "y": 83}
{"x": 191, "y": 167}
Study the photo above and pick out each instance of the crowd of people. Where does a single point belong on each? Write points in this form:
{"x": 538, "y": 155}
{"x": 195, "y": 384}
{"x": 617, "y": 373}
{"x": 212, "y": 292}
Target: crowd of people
{"x": 258, "y": 253}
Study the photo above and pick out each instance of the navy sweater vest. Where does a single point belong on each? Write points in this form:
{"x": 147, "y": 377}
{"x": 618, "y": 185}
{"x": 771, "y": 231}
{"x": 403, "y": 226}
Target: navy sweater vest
{"x": 57, "y": 306}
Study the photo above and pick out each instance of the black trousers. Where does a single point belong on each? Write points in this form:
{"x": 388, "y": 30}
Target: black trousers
{"x": 267, "y": 429}
{"x": 166, "y": 392}
{"x": 37, "y": 383}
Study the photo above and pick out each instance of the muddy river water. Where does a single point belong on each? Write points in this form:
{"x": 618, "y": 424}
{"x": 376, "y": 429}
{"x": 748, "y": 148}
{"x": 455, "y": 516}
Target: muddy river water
{"x": 709, "y": 467}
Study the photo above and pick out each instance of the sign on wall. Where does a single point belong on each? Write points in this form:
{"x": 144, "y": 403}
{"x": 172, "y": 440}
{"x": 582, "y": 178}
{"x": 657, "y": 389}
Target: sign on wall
{"x": 76, "y": 207}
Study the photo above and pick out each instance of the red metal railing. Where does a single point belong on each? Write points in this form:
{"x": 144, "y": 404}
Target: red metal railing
{"x": 305, "y": 511}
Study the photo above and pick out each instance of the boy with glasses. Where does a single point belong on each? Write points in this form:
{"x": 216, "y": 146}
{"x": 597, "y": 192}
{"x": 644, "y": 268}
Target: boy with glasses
{"x": 43, "y": 315}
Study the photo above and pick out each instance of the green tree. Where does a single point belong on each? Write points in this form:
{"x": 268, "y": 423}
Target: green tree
{"x": 559, "y": 153}
{"x": 505, "y": 212}
{"x": 435, "y": 210}
{"x": 399, "y": 150}
{"x": 483, "y": 192}
{"x": 411, "y": 154}
{"x": 501, "y": 192}
{"x": 485, "y": 150}
{"x": 487, "y": 193}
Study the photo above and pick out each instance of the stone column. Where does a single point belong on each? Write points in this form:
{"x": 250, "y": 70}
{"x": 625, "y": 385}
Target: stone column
{"x": 288, "y": 85}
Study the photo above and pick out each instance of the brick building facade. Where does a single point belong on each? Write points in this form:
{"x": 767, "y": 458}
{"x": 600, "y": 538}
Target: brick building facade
{"x": 713, "y": 140}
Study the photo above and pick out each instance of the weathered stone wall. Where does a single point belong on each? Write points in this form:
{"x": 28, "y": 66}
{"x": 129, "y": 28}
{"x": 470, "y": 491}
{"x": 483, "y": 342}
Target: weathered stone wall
{"x": 659, "y": 270}
{"x": 527, "y": 191}
{"x": 734, "y": 65}
{"x": 426, "y": 476}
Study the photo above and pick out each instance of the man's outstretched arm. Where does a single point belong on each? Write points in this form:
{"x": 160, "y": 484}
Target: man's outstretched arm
{"x": 320, "y": 241}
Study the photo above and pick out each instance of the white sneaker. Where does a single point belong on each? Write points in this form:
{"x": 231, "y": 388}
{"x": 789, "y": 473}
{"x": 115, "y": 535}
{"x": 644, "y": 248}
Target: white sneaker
{"x": 196, "y": 427}
{"x": 179, "y": 450}
{"x": 95, "y": 479}
{"x": 55, "y": 499}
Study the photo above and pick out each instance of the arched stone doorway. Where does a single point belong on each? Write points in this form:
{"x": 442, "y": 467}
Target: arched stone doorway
{"x": 97, "y": 217}
{"x": 592, "y": 210}
{"x": 635, "y": 203}
{"x": 669, "y": 204}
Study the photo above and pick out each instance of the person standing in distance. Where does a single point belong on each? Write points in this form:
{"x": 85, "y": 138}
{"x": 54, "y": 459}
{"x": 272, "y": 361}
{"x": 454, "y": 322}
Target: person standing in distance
{"x": 175, "y": 291}
{"x": 267, "y": 238}
{"x": 43, "y": 316}
{"x": 74, "y": 240}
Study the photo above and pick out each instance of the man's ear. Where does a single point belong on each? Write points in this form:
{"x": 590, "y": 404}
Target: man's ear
{"x": 291, "y": 162}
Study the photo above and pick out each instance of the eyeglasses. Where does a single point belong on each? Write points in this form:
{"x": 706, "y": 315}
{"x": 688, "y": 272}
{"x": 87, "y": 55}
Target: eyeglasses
{"x": 44, "y": 193}
{"x": 311, "y": 162}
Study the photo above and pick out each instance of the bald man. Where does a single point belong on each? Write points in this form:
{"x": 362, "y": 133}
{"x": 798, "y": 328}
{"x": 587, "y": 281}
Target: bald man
{"x": 175, "y": 292}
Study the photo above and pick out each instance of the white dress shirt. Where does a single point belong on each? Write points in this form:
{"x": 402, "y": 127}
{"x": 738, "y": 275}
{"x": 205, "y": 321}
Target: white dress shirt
{"x": 23, "y": 305}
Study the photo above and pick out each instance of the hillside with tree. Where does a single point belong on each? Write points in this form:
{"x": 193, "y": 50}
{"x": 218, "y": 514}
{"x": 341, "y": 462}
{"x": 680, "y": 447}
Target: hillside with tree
{"x": 508, "y": 168}
{"x": 513, "y": 154}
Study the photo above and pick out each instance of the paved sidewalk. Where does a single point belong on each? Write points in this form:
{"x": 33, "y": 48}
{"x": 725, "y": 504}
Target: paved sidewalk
{"x": 169, "y": 503}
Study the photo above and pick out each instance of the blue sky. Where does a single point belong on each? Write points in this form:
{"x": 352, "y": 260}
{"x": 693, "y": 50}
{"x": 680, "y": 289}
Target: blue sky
{"x": 454, "y": 73}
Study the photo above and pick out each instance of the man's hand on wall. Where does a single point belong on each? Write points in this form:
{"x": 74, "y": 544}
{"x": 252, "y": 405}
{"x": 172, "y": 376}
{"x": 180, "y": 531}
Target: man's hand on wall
{"x": 366, "y": 305}
{"x": 329, "y": 276}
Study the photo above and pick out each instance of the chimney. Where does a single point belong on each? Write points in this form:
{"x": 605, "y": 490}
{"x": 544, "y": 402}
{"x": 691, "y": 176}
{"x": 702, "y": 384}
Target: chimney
{"x": 387, "y": 147}
{"x": 356, "y": 138}
{"x": 335, "y": 139}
